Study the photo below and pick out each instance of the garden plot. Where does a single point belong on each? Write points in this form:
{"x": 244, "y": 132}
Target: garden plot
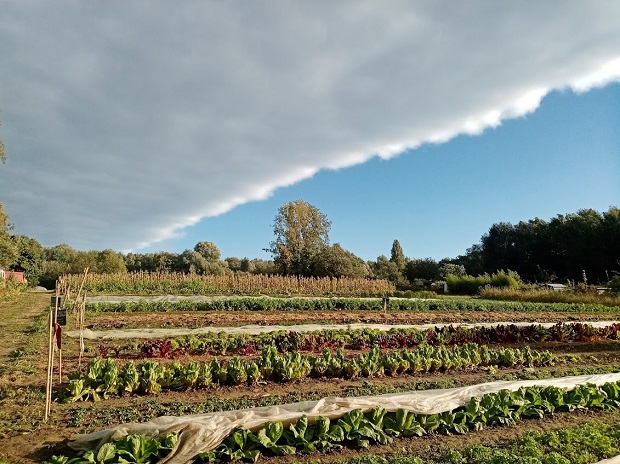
{"x": 458, "y": 410}
{"x": 218, "y": 318}
{"x": 300, "y": 328}
{"x": 238, "y": 392}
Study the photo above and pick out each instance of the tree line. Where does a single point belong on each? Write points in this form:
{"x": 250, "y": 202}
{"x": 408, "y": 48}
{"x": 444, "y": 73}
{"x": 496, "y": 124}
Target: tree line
{"x": 572, "y": 246}
{"x": 579, "y": 246}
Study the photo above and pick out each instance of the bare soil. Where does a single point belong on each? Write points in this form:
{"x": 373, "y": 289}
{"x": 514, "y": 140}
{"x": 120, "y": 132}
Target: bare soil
{"x": 237, "y": 318}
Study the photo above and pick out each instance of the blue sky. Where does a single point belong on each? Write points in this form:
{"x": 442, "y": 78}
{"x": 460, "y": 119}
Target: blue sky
{"x": 151, "y": 127}
{"x": 439, "y": 199}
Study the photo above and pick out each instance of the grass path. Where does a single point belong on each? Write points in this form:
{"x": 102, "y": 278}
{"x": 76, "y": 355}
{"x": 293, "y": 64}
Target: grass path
{"x": 23, "y": 361}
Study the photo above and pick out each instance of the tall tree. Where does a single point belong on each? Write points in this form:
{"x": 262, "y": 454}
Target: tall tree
{"x": 426, "y": 268}
{"x": 302, "y": 232}
{"x": 208, "y": 250}
{"x": 383, "y": 268}
{"x": 335, "y": 261}
{"x": 397, "y": 256}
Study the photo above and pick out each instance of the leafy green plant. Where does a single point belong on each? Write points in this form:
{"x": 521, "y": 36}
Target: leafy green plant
{"x": 131, "y": 449}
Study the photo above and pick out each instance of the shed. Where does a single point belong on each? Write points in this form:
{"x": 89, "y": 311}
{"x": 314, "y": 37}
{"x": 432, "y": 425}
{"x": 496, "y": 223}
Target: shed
{"x": 15, "y": 276}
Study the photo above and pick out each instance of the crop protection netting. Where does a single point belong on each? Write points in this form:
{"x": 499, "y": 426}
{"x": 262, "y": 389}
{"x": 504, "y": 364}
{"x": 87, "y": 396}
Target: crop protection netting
{"x": 614, "y": 460}
{"x": 203, "y": 432}
{"x": 301, "y": 328}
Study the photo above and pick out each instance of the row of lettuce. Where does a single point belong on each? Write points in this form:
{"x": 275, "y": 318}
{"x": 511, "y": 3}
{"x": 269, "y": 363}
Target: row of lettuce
{"x": 378, "y": 426}
{"x": 104, "y": 377}
{"x": 353, "y": 304}
{"x": 360, "y": 339}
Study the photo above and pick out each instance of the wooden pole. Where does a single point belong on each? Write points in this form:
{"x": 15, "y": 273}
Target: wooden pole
{"x": 48, "y": 380}
{"x": 58, "y": 292}
{"x": 81, "y": 310}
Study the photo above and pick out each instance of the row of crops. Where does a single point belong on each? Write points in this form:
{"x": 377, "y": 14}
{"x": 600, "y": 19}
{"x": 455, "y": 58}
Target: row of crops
{"x": 381, "y": 427}
{"x": 352, "y": 304}
{"x": 161, "y": 283}
{"x": 362, "y": 339}
{"x": 104, "y": 377}
{"x": 208, "y": 384}
{"x": 359, "y": 429}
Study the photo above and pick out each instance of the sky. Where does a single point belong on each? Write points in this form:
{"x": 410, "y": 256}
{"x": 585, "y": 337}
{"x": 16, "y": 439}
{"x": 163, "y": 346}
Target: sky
{"x": 145, "y": 126}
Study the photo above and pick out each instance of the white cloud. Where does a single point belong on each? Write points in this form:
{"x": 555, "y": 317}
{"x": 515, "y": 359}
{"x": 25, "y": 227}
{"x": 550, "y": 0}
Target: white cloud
{"x": 126, "y": 122}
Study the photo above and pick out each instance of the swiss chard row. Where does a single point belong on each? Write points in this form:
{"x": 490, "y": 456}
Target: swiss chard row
{"x": 365, "y": 304}
{"x": 360, "y": 339}
{"x": 132, "y": 448}
{"x": 105, "y": 377}
{"x": 588, "y": 443}
{"x": 379, "y": 426}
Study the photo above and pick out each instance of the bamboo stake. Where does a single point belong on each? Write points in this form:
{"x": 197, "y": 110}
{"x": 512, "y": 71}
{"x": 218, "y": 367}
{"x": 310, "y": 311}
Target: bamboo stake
{"x": 48, "y": 380}
{"x": 81, "y": 309}
{"x": 56, "y": 339}
{"x": 77, "y": 299}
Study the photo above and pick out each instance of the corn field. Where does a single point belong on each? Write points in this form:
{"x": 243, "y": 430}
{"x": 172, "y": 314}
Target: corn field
{"x": 158, "y": 283}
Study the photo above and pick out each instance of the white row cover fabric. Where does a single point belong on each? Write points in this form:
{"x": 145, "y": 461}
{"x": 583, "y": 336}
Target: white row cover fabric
{"x": 203, "y": 432}
{"x": 614, "y": 460}
{"x": 260, "y": 329}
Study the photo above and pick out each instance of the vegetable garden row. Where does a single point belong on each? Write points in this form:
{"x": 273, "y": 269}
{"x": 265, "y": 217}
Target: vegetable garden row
{"x": 361, "y": 339}
{"x": 104, "y": 377}
{"x": 362, "y": 304}
{"x": 378, "y": 426}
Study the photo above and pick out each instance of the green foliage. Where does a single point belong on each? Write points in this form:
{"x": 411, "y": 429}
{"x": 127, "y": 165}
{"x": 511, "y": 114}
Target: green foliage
{"x": 426, "y": 269}
{"x": 8, "y": 250}
{"x": 563, "y": 247}
{"x": 208, "y": 250}
{"x": 301, "y": 232}
{"x": 131, "y": 449}
{"x": 614, "y": 284}
{"x": 383, "y": 268}
{"x": 470, "y": 285}
{"x": 379, "y": 426}
{"x": 349, "y": 304}
{"x": 104, "y": 378}
{"x": 29, "y": 258}
{"x": 335, "y": 261}
{"x": 397, "y": 256}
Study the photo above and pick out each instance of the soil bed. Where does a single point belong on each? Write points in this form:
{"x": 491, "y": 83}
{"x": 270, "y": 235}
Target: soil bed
{"x": 196, "y": 319}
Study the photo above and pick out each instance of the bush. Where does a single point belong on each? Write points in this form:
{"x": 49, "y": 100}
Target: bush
{"x": 614, "y": 285}
{"x": 470, "y": 285}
